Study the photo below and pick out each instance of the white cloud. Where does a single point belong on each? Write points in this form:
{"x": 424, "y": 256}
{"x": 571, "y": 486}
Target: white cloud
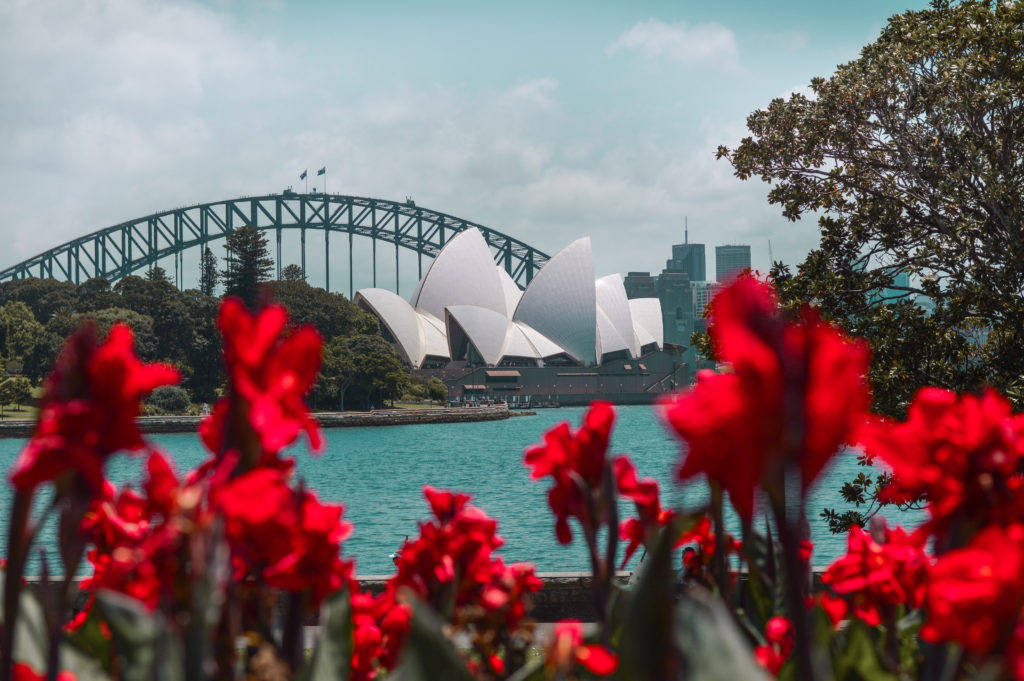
{"x": 101, "y": 121}
{"x": 701, "y": 45}
{"x": 107, "y": 105}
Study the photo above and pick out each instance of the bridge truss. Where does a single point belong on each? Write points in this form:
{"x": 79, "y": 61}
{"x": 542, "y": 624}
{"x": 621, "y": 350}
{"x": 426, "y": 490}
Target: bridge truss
{"x": 117, "y": 251}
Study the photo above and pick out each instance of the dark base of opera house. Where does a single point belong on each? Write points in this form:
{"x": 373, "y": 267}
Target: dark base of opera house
{"x": 622, "y": 381}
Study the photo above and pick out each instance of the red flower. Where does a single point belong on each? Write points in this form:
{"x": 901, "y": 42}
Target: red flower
{"x": 796, "y": 390}
{"x": 875, "y": 576}
{"x": 568, "y": 648}
{"x": 312, "y": 563}
{"x": 576, "y": 462}
{"x": 24, "y": 672}
{"x": 138, "y": 540}
{"x": 962, "y": 453}
{"x": 271, "y": 373}
{"x": 778, "y": 632}
{"x": 287, "y": 537}
{"x": 452, "y": 567}
{"x": 644, "y": 493}
{"x": 88, "y": 408}
{"x": 974, "y": 593}
{"x": 366, "y": 637}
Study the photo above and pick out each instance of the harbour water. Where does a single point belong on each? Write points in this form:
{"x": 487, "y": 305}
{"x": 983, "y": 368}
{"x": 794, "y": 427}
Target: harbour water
{"x": 378, "y": 473}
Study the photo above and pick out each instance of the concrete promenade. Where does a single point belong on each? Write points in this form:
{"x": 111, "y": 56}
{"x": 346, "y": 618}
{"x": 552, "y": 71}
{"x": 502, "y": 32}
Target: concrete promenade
{"x": 344, "y": 419}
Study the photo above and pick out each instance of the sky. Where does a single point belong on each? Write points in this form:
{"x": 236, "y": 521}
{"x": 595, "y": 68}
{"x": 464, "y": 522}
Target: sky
{"x": 546, "y": 121}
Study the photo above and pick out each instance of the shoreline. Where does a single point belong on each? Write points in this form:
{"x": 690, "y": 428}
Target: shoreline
{"x": 347, "y": 419}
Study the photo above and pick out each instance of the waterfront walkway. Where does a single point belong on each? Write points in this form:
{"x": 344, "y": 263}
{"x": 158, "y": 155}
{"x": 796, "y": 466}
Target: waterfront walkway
{"x": 344, "y": 419}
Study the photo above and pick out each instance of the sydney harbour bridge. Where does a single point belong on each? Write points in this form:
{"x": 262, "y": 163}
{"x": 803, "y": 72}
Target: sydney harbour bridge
{"x": 119, "y": 250}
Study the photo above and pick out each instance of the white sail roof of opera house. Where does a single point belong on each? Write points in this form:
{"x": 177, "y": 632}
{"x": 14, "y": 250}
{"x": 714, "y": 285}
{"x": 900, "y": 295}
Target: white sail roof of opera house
{"x": 463, "y": 273}
{"x": 561, "y": 304}
{"x": 512, "y": 291}
{"x": 464, "y": 298}
{"x": 494, "y": 336}
{"x": 612, "y": 301}
{"x": 416, "y": 334}
{"x": 647, "y": 321}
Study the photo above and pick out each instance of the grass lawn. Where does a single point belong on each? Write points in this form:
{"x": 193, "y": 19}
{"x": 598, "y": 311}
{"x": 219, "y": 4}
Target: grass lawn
{"x": 12, "y": 413}
{"x": 417, "y": 405}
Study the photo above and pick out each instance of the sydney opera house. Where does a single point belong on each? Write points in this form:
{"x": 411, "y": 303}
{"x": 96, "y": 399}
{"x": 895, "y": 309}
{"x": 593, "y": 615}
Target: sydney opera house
{"x": 567, "y": 338}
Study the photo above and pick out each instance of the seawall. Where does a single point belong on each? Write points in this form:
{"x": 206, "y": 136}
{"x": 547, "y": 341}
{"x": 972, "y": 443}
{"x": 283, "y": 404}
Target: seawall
{"x": 346, "y": 419}
{"x": 565, "y": 595}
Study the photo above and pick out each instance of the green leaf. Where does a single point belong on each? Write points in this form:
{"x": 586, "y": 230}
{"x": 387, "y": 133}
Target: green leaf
{"x": 644, "y": 628}
{"x": 710, "y": 644}
{"x": 147, "y": 649}
{"x": 31, "y": 642}
{"x": 428, "y": 655}
{"x": 82, "y": 665}
{"x": 759, "y": 595}
{"x": 89, "y": 640}
{"x": 332, "y": 657}
{"x": 859, "y": 660}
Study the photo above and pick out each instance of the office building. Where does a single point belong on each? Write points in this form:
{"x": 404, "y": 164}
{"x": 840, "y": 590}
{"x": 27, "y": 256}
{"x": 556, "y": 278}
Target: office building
{"x": 640, "y": 285}
{"x": 730, "y": 261}
{"x": 676, "y": 307}
{"x": 689, "y": 259}
{"x": 703, "y": 292}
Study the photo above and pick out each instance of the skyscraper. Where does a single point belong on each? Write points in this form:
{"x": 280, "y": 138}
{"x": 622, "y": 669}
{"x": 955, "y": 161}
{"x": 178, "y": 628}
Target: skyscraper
{"x": 689, "y": 259}
{"x": 730, "y": 261}
{"x": 640, "y": 285}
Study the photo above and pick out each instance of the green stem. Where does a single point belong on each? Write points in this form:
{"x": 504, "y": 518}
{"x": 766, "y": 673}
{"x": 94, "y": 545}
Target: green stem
{"x": 19, "y": 539}
{"x": 796, "y": 583}
{"x": 719, "y": 565}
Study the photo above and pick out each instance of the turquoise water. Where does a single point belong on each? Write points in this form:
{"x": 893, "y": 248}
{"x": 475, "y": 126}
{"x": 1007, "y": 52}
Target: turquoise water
{"x": 377, "y": 473}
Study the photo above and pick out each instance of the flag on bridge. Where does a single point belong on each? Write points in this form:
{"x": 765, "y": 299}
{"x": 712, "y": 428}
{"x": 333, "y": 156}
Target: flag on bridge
{"x": 303, "y": 175}
{"x": 322, "y": 171}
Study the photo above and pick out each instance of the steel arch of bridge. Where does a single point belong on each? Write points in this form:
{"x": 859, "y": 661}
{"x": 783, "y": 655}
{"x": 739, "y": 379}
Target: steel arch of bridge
{"x": 124, "y": 248}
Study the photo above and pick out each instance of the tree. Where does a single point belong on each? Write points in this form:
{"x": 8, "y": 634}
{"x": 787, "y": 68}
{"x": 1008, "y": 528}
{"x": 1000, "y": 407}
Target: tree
{"x": 159, "y": 300}
{"x": 19, "y": 328}
{"x": 96, "y": 294}
{"x": 208, "y": 274}
{"x": 170, "y": 399}
{"x": 247, "y": 264}
{"x": 331, "y": 313}
{"x": 436, "y": 389}
{"x": 292, "y": 273}
{"x": 142, "y": 327}
{"x": 363, "y": 370}
{"x": 203, "y": 352}
{"x": 21, "y": 391}
{"x": 911, "y": 157}
{"x": 45, "y": 297}
{"x": 157, "y": 273}
{"x": 39, "y": 359}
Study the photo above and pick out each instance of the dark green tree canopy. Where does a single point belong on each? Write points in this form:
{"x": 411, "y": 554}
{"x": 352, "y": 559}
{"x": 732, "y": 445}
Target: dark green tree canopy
{"x": 208, "y": 273}
{"x": 361, "y": 371}
{"x": 331, "y": 313}
{"x": 911, "y": 158}
{"x": 292, "y": 272}
{"x": 157, "y": 273}
{"x": 247, "y": 264}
